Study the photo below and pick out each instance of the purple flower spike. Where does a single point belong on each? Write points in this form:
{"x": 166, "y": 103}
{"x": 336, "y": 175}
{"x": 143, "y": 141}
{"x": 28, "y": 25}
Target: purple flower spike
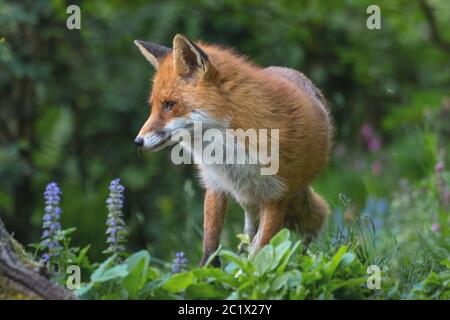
{"x": 115, "y": 224}
{"x": 51, "y": 226}
{"x": 180, "y": 262}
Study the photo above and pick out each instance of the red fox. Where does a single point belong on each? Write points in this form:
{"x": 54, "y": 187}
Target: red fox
{"x": 221, "y": 89}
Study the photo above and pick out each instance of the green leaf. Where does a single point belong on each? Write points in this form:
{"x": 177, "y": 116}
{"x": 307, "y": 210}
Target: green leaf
{"x": 211, "y": 257}
{"x": 264, "y": 259}
{"x": 82, "y": 258}
{"x": 233, "y": 296}
{"x": 84, "y": 291}
{"x": 179, "y": 282}
{"x": 152, "y": 273}
{"x": 206, "y": 291}
{"x": 214, "y": 274}
{"x": 83, "y": 252}
{"x": 295, "y": 278}
{"x": 117, "y": 272}
{"x": 280, "y": 237}
{"x": 153, "y": 286}
{"x": 285, "y": 261}
{"x": 281, "y": 252}
{"x": 108, "y": 263}
{"x": 348, "y": 259}
{"x": 107, "y": 271}
{"x": 68, "y": 231}
{"x": 137, "y": 266}
{"x": 280, "y": 282}
{"x": 332, "y": 265}
{"x": 340, "y": 283}
{"x": 241, "y": 262}
{"x": 290, "y": 279}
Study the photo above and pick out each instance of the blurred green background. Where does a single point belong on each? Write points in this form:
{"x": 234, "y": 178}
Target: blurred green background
{"x": 72, "y": 101}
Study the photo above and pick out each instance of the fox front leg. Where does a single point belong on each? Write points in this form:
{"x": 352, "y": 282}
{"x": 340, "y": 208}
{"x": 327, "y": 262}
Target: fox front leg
{"x": 214, "y": 211}
{"x": 250, "y": 225}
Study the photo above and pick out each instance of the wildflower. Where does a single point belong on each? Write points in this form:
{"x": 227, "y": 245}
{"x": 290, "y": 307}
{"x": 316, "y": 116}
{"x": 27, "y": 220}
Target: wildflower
{"x": 180, "y": 262}
{"x": 344, "y": 199}
{"x": 439, "y": 167}
{"x": 373, "y": 142}
{"x": 115, "y": 223}
{"x": 382, "y": 206}
{"x": 367, "y": 130}
{"x": 46, "y": 257}
{"x": 376, "y": 167}
{"x": 435, "y": 227}
{"x": 51, "y": 226}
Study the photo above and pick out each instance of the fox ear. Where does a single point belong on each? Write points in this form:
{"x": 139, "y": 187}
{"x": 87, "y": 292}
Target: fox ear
{"x": 188, "y": 58}
{"x": 154, "y": 53}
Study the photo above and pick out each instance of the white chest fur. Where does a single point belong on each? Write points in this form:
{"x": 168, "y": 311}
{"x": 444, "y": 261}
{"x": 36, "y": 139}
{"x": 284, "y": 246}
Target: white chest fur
{"x": 244, "y": 182}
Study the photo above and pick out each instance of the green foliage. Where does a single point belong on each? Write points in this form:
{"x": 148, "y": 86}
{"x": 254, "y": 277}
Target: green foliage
{"x": 272, "y": 274}
{"x": 68, "y": 255}
{"x": 119, "y": 281}
{"x": 57, "y": 125}
{"x": 279, "y": 271}
{"x": 435, "y": 285}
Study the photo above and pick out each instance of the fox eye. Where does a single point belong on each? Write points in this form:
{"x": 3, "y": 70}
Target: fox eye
{"x": 168, "y": 105}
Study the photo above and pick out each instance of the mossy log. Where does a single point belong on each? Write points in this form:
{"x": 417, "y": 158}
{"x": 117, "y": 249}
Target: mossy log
{"x": 18, "y": 276}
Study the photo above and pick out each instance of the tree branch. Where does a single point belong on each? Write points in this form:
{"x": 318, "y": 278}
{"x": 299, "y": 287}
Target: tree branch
{"x": 431, "y": 20}
{"x": 18, "y": 280}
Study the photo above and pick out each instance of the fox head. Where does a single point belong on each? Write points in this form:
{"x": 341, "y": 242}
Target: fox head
{"x": 184, "y": 81}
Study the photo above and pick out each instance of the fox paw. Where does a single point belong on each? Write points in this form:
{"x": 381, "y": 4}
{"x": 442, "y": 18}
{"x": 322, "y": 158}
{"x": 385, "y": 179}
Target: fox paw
{"x": 214, "y": 263}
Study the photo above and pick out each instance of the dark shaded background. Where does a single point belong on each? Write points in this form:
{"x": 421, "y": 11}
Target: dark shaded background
{"x": 73, "y": 101}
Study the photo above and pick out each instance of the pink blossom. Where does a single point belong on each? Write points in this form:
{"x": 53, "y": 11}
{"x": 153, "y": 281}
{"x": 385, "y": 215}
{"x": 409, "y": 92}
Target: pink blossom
{"x": 439, "y": 167}
{"x": 435, "y": 227}
{"x": 367, "y": 131}
{"x": 374, "y": 143}
{"x": 376, "y": 167}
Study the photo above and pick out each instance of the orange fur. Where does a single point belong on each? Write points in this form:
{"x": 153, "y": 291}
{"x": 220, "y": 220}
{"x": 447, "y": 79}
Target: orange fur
{"x": 215, "y": 208}
{"x": 228, "y": 86}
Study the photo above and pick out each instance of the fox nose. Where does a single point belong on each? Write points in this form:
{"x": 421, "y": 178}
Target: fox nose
{"x": 139, "y": 141}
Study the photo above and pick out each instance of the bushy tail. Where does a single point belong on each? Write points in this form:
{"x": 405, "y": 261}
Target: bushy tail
{"x": 307, "y": 213}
